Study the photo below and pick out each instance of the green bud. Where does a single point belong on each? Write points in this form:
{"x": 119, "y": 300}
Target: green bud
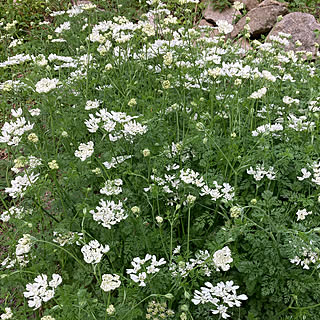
{"x": 169, "y": 295}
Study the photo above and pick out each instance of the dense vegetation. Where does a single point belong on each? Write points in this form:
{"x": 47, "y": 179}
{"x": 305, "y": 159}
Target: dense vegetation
{"x": 150, "y": 170}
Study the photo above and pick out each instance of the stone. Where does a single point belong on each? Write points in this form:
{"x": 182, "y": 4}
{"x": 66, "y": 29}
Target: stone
{"x": 212, "y": 15}
{"x": 204, "y": 23}
{"x": 250, "y": 4}
{"x": 301, "y": 26}
{"x": 262, "y": 18}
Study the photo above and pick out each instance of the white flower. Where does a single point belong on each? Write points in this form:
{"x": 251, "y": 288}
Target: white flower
{"x": 64, "y": 26}
{"x": 224, "y": 26}
{"x": 112, "y": 187}
{"x": 238, "y": 5}
{"x": 138, "y": 263}
{"x": 7, "y": 315}
{"x": 84, "y": 151}
{"x": 139, "y": 278}
{"x": 222, "y": 296}
{"x": 159, "y": 219}
{"x": 222, "y": 258}
{"x": 258, "y": 94}
{"x": 302, "y": 214}
{"x": 20, "y": 184}
{"x": 35, "y": 112}
{"x": 45, "y": 85}
{"x": 289, "y": 100}
{"x": 110, "y": 282}
{"x": 92, "y": 104}
{"x": 109, "y": 213}
{"x": 305, "y": 174}
{"x": 93, "y": 252}
{"x": 40, "y": 291}
{"x": 56, "y": 280}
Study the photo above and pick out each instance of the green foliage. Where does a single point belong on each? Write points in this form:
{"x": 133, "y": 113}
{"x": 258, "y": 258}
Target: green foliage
{"x": 209, "y": 168}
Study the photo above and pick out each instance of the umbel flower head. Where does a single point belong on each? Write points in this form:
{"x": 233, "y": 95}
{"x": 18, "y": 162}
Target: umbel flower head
{"x": 110, "y": 282}
{"x": 41, "y": 291}
{"x": 93, "y": 252}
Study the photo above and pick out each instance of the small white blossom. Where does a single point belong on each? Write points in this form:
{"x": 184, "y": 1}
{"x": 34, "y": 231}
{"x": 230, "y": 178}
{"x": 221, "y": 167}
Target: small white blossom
{"x": 110, "y": 282}
{"x": 301, "y": 214}
{"x": 93, "y": 252}
{"x": 84, "y": 151}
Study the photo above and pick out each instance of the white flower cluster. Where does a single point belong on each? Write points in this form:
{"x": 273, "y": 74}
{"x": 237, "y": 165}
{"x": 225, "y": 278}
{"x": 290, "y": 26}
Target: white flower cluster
{"x": 45, "y": 85}
{"x": 74, "y": 11}
{"x": 259, "y": 173}
{"x": 139, "y": 276}
{"x": 129, "y": 128}
{"x": 22, "y": 163}
{"x": 171, "y": 183}
{"x": 301, "y": 214}
{"x": 224, "y": 26}
{"x": 41, "y": 291}
{"x": 92, "y": 104}
{"x": 308, "y": 257}
{"x": 63, "y": 26}
{"x": 205, "y": 262}
{"x": 258, "y": 94}
{"x": 300, "y": 123}
{"x": 112, "y": 187}
{"x": 223, "y": 296}
{"x": 316, "y": 173}
{"x": 84, "y": 151}
{"x": 21, "y": 253}
{"x": 7, "y": 315}
{"x": 17, "y": 59}
{"x": 115, "y": 161}
{"x": 67, "y": 238}
{"x": 12, "y": 131}
{"x": 16, "y": 212}
{"x": 110, "y": 282}
{"x": 288, "y": 100}
{"x": 109, "y": 213}
{"x": 93, "y": 252}
{"x": 225, "y": 191}
{"x": 202, "y": 261}
{"x": 12, "y": 85}
{"x": 305, "y": 174}
{"x": 222, "y": 258}
{"x": 20, "y": 184}
{"x": 267, "y": 129}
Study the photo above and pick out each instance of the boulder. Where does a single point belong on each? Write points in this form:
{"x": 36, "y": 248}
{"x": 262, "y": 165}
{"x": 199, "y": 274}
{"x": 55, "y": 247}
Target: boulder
{"x": 301, "y": 27}
{"x": 214, "y": 31}
{"x": 250, "y": 4}
{"x": 204, "y": 22}
{"x": 212, "y": 15}
{"x": 262, "y": 18}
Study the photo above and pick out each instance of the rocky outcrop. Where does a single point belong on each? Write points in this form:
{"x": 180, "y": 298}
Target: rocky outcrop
{"x": 302, "y": 27}
{"x": 262, "y": 18}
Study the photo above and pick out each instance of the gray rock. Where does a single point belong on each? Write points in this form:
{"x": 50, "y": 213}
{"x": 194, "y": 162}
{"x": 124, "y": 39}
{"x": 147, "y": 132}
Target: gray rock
{"x": 301, "y": 26}
{"x": 262, "y": 18}
{"x": 212, "y": 15}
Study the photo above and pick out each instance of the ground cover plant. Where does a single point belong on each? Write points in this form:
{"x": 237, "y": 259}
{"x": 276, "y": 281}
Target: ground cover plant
{"x": 153, "y": 171}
